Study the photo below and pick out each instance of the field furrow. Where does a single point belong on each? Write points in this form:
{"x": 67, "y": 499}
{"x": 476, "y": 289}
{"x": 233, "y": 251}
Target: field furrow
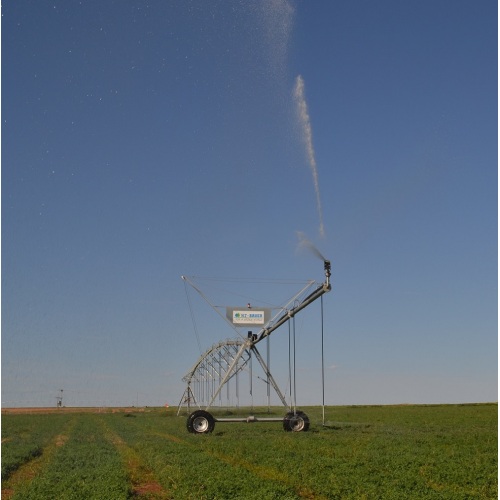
{"x": 81, "y": 464}
{"x": 143, "y": 481}
{"x": 262, "y": 473}
{"x": 32, "y": 465}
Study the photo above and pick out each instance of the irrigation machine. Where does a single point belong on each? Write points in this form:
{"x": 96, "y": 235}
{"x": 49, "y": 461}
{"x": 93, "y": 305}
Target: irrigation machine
{"x": 224, "y": 360}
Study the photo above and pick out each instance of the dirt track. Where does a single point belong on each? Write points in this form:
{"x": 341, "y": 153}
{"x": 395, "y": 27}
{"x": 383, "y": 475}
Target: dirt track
{"x": 64, "y": 409}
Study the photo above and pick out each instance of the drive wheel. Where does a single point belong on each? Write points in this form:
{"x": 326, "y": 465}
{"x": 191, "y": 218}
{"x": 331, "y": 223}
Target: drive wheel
{"x": 200, "y": 422}
{"x": 296, "y": 422}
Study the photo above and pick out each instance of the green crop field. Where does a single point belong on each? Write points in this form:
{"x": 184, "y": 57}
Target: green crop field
{"x": 372, "y": 452}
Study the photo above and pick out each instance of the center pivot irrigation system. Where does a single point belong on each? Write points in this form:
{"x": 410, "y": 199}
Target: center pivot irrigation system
{"x": 225, "y": 360}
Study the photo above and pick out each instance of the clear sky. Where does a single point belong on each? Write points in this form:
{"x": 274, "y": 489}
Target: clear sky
{"x": 145, "y": 140}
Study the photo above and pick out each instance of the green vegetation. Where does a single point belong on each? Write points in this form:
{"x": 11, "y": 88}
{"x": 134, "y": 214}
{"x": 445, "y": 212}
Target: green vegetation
{"x": 24, "y": 437}
{"x": 434, "y": 452}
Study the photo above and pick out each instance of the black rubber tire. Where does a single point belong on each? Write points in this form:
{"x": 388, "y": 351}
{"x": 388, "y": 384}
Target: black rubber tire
{"x": 296, "y": 422}
{"x": 200, "y": 422}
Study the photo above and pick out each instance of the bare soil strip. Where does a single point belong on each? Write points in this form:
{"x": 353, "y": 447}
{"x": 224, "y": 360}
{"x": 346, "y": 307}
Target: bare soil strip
{"x": 262, "y": 472}
{"x": 144, "y": 482}
{"x": 71, "y": 409}
{"x": 28, "y": 471}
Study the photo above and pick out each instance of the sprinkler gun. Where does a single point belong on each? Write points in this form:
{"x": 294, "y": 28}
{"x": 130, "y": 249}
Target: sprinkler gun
{"x": 289, "y": 314}
{"x": 328, "y": 273}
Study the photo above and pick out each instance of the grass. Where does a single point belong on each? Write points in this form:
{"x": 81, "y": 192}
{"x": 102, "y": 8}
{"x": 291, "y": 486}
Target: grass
{"x": 24, "y": 438}
{"x": 435, "y": 452}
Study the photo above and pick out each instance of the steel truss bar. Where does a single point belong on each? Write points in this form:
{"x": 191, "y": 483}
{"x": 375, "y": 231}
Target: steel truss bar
{"x": 268, "y": 374}
{"x": 231, "y": 370}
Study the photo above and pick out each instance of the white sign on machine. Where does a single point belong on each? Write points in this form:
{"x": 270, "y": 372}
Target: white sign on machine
{"x": 240, "y": 316}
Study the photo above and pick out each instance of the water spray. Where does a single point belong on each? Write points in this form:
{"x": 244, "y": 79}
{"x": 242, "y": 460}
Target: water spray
{"x": 305, "y": 122}
{"x": 305, "y": 243}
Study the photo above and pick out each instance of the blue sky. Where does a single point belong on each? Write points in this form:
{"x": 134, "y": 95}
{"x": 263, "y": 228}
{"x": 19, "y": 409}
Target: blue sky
{"x": 145, "y": 140}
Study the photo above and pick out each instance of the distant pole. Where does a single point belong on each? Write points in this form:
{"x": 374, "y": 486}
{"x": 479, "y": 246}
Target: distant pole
{"x": 294, "y": 369}
{"x": 268, "y": 373}
{"x": 322, "y": 361}
{"x": 59, "y": 399}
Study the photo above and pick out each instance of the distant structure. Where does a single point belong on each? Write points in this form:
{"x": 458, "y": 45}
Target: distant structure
{"x": 59, "y": 399}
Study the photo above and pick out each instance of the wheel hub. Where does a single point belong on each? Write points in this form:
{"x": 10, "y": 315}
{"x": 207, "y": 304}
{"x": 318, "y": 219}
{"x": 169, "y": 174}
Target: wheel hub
{"x": 200, "y": 424}
{"x": 297, "y": 424}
